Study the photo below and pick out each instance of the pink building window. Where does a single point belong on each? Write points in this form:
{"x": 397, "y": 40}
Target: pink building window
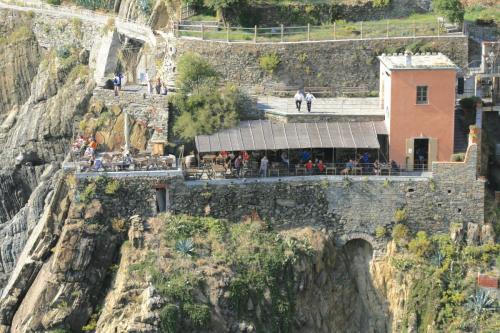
{"x": 422, "y": 95}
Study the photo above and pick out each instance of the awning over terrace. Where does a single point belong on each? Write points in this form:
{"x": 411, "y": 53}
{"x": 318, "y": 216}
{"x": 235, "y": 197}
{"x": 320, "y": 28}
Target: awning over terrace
{"x": 267, "y": 135}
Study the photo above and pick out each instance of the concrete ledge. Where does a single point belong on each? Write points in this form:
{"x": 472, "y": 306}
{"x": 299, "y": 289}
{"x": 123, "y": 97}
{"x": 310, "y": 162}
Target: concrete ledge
{"x": 131, "y": 174}
{"x": 425, "y": 176}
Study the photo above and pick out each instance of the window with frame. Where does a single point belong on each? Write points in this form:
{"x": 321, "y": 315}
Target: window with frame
{"x": 422, "y": 95}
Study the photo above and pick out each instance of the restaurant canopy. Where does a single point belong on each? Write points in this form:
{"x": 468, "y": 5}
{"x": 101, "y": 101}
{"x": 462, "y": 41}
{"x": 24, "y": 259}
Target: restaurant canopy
{"x": 267, "y": 135}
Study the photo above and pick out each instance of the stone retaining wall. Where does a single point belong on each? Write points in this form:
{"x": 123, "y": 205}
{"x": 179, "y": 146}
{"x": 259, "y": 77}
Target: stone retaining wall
{"x": 352, "y": 207}
{"x": 151, "y": 109}
{"x": 318, "y": 64}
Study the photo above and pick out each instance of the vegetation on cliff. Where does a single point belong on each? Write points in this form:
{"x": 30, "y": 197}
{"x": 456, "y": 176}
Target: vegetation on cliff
{"x": 441, "y": 277}
{"x": 251, "y": 264}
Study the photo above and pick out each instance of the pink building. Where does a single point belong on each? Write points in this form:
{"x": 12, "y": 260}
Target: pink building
{"x": 417, "y": 93}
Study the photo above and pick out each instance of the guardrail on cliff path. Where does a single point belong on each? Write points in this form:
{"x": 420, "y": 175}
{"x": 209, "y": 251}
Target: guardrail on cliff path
{"x": 337, "y": 31}
{"x": 124, "y": 25}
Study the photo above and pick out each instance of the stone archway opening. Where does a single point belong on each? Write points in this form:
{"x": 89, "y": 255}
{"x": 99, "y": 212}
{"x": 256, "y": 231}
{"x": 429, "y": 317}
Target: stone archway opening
{"x": 371, "y": 313}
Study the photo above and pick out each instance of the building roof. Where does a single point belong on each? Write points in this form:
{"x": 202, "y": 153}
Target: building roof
{"x": 418, "y": 61}
{"x": 267, "y": 135}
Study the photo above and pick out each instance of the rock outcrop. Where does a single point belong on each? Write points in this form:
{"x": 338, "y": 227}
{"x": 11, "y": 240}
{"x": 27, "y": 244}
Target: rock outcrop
{"x": 19, "y": 56}
{"x": 35, "y": 138}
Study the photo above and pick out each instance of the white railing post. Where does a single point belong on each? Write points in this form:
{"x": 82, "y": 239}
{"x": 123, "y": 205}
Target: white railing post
{"x": 282, "y": 33}
{"x": 387, "y": 29}
{"x": 202, "y": 32}
{"x": 227, "y": 33}
{"x": 414, "y": 29}
{"x": 361, "y": 30}
{"x": 334, "y": 30}
{"x": 308, "y": 31}
{"x": 255, "y": 35}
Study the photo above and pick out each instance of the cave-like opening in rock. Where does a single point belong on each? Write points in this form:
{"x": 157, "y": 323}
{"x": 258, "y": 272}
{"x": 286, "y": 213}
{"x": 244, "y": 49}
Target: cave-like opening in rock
{"x": 366, "y": 309}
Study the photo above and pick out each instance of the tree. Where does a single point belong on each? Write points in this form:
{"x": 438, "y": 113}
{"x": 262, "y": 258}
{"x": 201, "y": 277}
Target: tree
{"x": 221, "y": 5}
{"x": 193, "y": 72}
{"x": 207, "y": 110}
{"x": 453, "y": 10}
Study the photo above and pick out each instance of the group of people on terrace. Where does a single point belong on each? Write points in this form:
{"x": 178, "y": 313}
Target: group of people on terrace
{"x": 155, "y": 86}
{"x": 244, "y": 164}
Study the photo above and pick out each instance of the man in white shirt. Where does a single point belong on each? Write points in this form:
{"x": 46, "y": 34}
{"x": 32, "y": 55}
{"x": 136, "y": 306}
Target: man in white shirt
{"x": 263, "y": 166}
{"x": 298, "y": 99}
{"x": 309, "y": 98}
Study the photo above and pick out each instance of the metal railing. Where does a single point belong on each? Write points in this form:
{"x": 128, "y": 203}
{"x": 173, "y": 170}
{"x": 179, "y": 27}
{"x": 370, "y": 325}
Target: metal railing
{"x": 72, "y": 11}
{"x": 141, "y": 163}
{"x": 336, "y": 31}
{"x": 280, "y": 169}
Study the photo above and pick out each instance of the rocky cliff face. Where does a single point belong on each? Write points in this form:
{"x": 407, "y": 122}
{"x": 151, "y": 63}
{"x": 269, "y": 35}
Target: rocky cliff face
{"x": 34, "y": 135}
{"x": 19, "y": 56}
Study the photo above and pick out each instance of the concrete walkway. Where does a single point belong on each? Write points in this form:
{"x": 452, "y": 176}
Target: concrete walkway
{"x": 338, "y": 106}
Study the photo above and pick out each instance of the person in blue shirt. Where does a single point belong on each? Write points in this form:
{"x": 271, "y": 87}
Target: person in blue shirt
{"x": 305, "y": 156}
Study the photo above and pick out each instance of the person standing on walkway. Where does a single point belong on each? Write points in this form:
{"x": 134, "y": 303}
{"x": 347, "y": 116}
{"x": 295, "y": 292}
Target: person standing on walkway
{"x": 309, "y": 99}
{"x": 298, "y": 99}
{"x": 158, "y": 86}
{"x": 263, "y": 166}
{"x": 116, "y": 84}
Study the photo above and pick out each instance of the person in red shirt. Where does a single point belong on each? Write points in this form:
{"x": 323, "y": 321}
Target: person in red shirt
{"x": 320, "y": 166}
{"x": 309, "y": 167}
{"x": 245, "y": 156}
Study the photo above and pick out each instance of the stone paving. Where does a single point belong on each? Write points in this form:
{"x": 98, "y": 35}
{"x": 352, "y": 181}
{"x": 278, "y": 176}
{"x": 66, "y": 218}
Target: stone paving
{"x": 335, "y": 106}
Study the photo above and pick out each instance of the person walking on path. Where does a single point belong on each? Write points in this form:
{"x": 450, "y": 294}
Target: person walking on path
{"x": 263, "y": 166}
{"x": 116, "y": 84}
{"x": 309, "y": 99}
{"x": 298, "y": 99}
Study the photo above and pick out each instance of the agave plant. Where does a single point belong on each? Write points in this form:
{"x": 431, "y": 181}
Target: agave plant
{"x": 185, "y": 246}
{"x": 480, "y": 302}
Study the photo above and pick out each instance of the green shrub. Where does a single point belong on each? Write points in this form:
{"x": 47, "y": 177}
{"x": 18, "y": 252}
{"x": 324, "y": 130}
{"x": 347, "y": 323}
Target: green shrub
{"x": 169, "y": 318}
{"x": 400, "y": 233}
{"x": 400, "y": 215}
{"x": 420, "y": 245}
{"x": 198, "y": 314}
{"x": 54, "y": 2}
{"x": 381, "y": 3}
{"x": 112, "y": 187}
{"x": 95, "y": 4}
{"x": 380, "y": 232}
{"x": 269, "y": 62}
{"x": 469, "y": 103}
{"x": 460, "y": 157}
{"x": 193, "y": 71}
{"x": 453, "y": 10}
{"x": 88, "y": 193}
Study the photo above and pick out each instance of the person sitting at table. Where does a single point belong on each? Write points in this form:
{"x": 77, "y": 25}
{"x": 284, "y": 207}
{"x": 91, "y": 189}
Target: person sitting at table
{"x": 309, "y": 167}
{"x": 305, "y": 156}
{"x": 348, "y": 167}
{"x": 245, "y": 156}
{"x": 320, "y": 166}
{"x": 285, "y": 160}
{"x": 127, "y": 158}
{"x": 376, "y": 167}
